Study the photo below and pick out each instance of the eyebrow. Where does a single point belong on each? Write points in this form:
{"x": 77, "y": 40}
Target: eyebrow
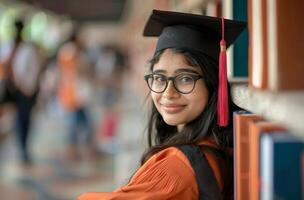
{"x": 187, "y": 70}
{"x": 177, "y": 71}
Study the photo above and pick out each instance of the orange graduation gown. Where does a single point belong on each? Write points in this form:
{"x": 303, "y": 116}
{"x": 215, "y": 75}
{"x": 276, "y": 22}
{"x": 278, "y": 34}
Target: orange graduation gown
{"x": 166, "y": 175}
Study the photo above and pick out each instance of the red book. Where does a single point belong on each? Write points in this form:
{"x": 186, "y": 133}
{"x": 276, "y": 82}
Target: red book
{"x": 241, "y": 121}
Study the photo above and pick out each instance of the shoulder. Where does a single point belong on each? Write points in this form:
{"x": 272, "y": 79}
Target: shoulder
{"x": 171, "y": 162}
{"x": 173, "y": 157}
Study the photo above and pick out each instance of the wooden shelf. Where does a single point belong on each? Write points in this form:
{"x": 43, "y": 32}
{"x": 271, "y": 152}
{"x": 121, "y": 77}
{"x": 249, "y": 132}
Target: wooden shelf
{"x": 286, "y": 108}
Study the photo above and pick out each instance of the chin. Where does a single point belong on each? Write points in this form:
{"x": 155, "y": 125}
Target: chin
{"x": 173, "y": 122}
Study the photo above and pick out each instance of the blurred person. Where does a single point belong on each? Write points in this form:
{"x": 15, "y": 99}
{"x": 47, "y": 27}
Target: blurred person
{"x": 109, "y": 70}
{"x": 190, "y": 130}
{"x": 74, "y": 93}
{"x": 22, "y": 68}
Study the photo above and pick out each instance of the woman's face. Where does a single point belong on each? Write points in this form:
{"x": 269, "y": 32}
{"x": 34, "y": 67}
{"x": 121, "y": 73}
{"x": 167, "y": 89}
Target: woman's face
{"x": 178, "y": 109}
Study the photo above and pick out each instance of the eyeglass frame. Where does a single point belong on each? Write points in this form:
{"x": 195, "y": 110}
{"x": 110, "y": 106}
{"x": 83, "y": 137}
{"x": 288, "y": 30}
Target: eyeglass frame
{"x": 195, "y": 77}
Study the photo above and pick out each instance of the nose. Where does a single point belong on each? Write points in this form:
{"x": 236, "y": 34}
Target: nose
{"x": 170, "y": 91}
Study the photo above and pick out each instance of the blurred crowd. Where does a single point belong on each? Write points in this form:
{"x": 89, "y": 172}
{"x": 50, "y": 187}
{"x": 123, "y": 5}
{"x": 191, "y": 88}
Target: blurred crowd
{"x": 67, "y": 81}
{"x": 71, "y": 103}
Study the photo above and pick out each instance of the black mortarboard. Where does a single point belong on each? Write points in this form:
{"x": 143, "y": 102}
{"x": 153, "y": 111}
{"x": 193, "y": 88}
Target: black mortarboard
{"x": 192, "y": 31}
{"x": 210, "y": 35}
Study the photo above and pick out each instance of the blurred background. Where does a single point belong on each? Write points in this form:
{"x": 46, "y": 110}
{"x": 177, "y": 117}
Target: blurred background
{"x": 73, "y": 101}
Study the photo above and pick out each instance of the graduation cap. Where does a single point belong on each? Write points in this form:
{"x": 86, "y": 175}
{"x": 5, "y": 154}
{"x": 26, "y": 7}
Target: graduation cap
{"x": 210, "y": 35}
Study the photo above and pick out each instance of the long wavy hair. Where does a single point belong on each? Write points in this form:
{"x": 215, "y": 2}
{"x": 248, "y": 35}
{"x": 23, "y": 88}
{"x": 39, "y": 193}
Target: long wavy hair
{"x": 162, "y": 135}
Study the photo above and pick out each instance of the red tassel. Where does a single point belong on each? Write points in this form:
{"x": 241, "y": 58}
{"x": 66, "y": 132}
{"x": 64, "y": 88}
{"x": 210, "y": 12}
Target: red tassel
{"x": 222, "y": 103}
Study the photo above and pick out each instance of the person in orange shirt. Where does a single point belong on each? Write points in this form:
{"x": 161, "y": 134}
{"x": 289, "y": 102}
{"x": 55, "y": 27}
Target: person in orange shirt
{"x": 74, "y": 93}
{"x": 189, "y": 131}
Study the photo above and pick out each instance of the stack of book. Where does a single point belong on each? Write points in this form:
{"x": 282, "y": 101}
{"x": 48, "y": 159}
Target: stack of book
{"x": 269, "y": 161}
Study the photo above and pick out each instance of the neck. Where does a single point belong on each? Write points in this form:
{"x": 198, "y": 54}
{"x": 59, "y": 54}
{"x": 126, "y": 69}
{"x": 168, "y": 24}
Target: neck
{"x": 180, "y": 127}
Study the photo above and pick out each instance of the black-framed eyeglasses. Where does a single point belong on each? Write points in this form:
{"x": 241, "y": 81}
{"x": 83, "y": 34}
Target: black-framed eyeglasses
{"x": 183, "y": 83}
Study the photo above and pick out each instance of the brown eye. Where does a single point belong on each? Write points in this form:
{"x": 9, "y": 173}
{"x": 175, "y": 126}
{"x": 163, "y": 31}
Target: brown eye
{"x": 184, "y": 79}
{"x": 159, "y": 78}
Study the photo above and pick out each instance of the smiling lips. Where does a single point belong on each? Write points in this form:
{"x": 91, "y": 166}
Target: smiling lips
{"x": 172, "y": 108}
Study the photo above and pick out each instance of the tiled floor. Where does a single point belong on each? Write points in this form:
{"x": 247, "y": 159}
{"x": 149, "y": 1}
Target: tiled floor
{"x": 52, "y": 176}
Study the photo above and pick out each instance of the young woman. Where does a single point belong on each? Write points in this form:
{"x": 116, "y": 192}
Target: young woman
{"x": 189, "y": 153}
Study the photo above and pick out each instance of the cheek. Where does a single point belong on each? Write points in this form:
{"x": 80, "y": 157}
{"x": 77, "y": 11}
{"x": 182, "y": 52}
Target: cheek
{"x": 155, "y": 98}
{"x": 198, "y": 106}
{"x": 198, "y": 101}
